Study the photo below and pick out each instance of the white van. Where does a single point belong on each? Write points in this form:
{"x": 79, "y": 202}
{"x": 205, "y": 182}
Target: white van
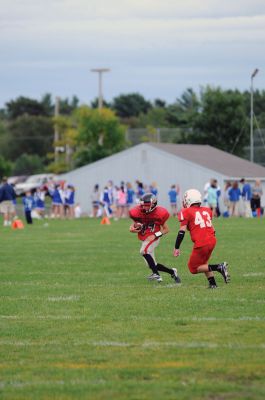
{"x": 33, "y": 182}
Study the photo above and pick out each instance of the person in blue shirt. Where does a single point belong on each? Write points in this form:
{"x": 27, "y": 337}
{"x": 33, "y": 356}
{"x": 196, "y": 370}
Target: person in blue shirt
{"x": 28, "y": 203}
{"x": 139, "y": 190}
{"x": 173, "y": 199}
{"x": 39, "y": 199}
{"x": 153, "y": 189}
{"x": 7, "y": 201}
{"x": 57, "y": 194}
{"x": 105, "y": 201}
{"x": 234, "y": 194}
{"x": 130, "y": 197}
{"x": 70, "y": 201}
{"x": 246, "y": 194}
{"x": 212, "y": 197}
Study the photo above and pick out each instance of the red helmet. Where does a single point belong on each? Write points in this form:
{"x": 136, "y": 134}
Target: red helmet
{"x": 148, "y": 202}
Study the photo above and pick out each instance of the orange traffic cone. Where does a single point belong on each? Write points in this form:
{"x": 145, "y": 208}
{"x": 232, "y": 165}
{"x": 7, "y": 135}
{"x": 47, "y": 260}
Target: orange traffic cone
{"x": 17, "y": 224}
{"x": 105, "y": 221}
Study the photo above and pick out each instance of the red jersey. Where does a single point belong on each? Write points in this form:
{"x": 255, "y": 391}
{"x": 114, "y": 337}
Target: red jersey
{"x": 151, "y": 222}
{"x": 199, "y": 223}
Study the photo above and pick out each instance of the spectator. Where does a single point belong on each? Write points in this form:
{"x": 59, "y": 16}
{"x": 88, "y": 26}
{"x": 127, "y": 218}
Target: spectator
{"x": 228, "y": 185}
{"x": 70, "y": 201}
{"x": 130, "y": 197}
{"x": 106, "y": 202}
{"x": 57, "y": 196}
{"x": 28, "y": 203}
{"x": 95, "y": 197}
{"x": 256, "y": 197}
{"x": 173, "y": 199}
{"x": 234, "y": 197}
{"x": 39, "y": 201}
{"x": 139, "y": 190}
{"x": 7, "y": 200}
{"x": 246, "y": 197}
{"x": 205, "y": 192}
{"x": 121, "y": 202}
{"x": 153, "y": 189}
{"x": 212, "y": 197}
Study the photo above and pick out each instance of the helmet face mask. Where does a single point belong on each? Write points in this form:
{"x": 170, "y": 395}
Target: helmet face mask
{"x": 148, "y": 203}
{"x": 191, "y": 196}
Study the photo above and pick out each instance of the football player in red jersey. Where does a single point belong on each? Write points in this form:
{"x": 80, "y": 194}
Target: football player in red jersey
{"x": 150, "y": 224}
{"x": 198, "y": 221}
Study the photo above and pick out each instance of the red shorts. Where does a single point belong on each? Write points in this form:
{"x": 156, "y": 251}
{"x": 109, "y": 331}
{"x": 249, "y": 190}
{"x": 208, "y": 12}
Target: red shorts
{"x": 200, "y": 256}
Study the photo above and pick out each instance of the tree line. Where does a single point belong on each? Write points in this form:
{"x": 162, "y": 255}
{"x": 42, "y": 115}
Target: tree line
{"x": 33, "y": 139}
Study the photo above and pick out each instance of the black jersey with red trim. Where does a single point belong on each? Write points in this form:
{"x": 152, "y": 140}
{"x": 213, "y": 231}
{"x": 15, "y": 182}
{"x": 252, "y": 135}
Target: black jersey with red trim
{"x": 151, "y": 221}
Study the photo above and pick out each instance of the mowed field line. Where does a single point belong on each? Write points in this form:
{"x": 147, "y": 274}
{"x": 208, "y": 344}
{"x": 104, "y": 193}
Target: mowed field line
{"x": 148, "y": 344}
{"x": 135, "y": 318}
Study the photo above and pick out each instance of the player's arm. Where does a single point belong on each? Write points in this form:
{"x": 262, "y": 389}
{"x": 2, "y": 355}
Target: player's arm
{"x": 179, "y": 238}
{"x": 164, "y": 229}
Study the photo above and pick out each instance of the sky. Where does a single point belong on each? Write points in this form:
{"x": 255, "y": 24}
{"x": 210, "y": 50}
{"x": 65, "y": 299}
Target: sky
{"x": 157, "y": 48}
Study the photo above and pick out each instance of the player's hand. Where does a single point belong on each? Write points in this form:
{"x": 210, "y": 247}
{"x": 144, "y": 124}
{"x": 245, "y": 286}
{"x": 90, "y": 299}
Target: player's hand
{"x": 136, "y": 227}
{"x": 176, "y": 252}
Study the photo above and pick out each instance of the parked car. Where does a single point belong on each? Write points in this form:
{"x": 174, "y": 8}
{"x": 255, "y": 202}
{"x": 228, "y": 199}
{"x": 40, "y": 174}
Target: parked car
{"x": 14, "y": 180}
{"x": 33, "y": 182}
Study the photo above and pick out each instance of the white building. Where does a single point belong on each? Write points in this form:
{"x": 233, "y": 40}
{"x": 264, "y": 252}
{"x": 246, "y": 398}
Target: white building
{"x": 190, "y": 166}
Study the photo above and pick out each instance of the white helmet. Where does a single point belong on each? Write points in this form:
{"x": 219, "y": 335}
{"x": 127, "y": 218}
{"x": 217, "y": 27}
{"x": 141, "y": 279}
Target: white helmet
{"x": 191, "y": 196}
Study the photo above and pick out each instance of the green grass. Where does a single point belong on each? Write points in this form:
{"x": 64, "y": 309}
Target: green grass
{"x": 79, "y": 320}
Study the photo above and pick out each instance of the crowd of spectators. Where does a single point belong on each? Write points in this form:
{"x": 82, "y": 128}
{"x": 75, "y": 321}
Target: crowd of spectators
{"x": 61, "y": 204}
{"x": 239, "y": 198}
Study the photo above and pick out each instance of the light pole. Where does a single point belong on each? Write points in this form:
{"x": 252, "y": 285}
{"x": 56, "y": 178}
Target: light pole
{"x": 252, "y": 116}
{"x": 100, "y": 92}
{"x": 56, "y": 131}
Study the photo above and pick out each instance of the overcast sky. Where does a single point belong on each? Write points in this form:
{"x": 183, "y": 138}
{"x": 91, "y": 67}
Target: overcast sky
{"x": 155, "y": 47}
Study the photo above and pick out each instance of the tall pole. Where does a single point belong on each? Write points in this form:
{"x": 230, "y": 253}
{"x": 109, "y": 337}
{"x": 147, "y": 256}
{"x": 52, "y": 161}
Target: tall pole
{"x": 252, "y": 116}
{"x": 100, "y": 71}
{"x": 56, "y": 131}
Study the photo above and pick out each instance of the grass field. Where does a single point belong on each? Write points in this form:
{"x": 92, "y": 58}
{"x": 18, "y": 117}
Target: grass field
{"x": 79, "y": 320}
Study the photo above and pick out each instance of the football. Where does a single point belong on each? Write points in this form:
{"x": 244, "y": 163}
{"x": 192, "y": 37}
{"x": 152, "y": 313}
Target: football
{"x": 138, "y": 225}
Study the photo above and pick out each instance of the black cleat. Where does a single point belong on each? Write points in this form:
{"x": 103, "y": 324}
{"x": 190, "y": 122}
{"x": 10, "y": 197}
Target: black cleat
{"x": 224, "y": 272}
{"x": 212, "y": 287}
{"x": 175, "y": 276}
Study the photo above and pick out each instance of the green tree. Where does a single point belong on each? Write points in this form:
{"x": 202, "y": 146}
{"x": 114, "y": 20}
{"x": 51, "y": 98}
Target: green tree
{"x": 67, "y": 106}
{"x": 100, "y": 134}
{"x": 94, "y": 103}
{"x": 130, "y": 105}
{"x": 25, "y": 106}
{"x": 183, "y": 112}
{"x": 5, "y": 167}
{"x": 221, "y": 121}
{"x": 156, "y": 117}
{"x": 28, "y": 164}
{"x": 30, "y": 135}
{"x": 4, "y": 138}
{"x": 64, "y": 147}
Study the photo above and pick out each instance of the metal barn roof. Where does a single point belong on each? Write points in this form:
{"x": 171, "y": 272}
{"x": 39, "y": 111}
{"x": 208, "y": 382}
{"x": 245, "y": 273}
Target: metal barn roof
{"x": 213, "y": 159}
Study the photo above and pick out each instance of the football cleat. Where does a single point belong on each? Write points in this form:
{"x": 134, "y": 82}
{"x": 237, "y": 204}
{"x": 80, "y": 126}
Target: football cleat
{"x": 212, "y": 287}
{"x": 224, "y": 272}
{"x": 175, "y": 276}
{"x": 155, "y": 277}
